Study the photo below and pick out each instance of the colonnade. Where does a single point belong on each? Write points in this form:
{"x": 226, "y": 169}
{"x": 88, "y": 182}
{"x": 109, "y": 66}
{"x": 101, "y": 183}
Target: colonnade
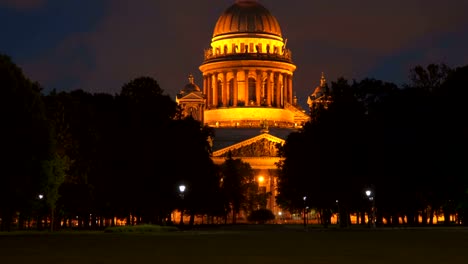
{"x": 247, "y": 87}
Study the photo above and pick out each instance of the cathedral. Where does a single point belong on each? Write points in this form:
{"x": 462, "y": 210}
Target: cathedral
{"x": 247, "y": 94}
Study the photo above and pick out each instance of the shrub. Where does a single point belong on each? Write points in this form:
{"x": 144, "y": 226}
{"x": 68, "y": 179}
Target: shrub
{"x": 261, "y": 216}
{"x": 141, "y": 229}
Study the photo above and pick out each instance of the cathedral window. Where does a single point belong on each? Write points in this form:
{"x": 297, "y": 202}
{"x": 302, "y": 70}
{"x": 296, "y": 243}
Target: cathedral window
{"x": 231, "y": 93}
{"x": 220, "y": 93}
{"x": 252, "y": 88}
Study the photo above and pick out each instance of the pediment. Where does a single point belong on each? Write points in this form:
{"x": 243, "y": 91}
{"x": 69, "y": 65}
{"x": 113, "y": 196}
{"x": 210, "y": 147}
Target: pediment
{"x": 264, "y": 145}
{"x": 192, "y": 96}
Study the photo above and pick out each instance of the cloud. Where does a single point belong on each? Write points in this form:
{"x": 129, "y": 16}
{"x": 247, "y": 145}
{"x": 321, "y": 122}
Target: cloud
{"x": 22, "y": 4}
{"x": 165, "y": 40}
{"x": 131, "y": 40}
{"x": 357, "y": 38}
{"x": 65, "y": 67}
{"x": 375, "y": 25}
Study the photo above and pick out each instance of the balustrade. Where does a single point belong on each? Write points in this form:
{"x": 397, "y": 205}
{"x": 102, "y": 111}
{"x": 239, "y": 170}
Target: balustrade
{"x": 285, "y": 56}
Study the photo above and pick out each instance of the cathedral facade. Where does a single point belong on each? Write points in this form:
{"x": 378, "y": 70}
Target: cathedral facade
{"x": 247, "y": 94}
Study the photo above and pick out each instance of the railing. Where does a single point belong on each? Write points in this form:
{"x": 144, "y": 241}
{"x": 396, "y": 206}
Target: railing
{"x": 285, "y": 56}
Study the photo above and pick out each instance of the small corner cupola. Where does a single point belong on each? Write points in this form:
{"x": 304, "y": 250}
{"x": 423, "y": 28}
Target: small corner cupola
{"x": 321, "y": 89}
{"x": 323, "y": 80}
{"x": 320, "y": 96}
{"x": 190, "y": 78}
{"x": 191, "y": 86}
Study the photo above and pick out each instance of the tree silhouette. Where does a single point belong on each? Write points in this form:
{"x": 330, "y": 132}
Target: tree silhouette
{"x": 236, "y": 178}
{"x": 26, "y": 142}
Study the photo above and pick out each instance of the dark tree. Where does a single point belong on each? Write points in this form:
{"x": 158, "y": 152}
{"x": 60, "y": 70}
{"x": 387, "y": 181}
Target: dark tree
{"x": 236, "y": 179}
{"x": 261, "y": 216}
{"x": 26, "y": 142}
{"x": 328, "y": 160}
{"x": 146, "y": 141}
{"x": 190, "y": 153}
{"x": 429, "y": 78}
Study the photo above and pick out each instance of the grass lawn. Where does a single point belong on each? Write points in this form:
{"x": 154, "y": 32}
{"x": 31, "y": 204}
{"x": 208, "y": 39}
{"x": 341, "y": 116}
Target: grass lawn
{"x": 243, "y": 245}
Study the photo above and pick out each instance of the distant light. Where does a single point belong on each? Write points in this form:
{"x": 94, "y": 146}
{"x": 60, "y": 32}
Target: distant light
{"x": 280, "y": 213}
{"x": 305, "y": 198}
{"x": 336, "y": 201}
{"x": 368, "y": 192}
{"x": 261, "y": 179}
{"x": 182, "y": 188}
{"x": 41, "y": 196}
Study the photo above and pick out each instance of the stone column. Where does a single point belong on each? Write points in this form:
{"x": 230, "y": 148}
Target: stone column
{"x": 215, "y": 90}
{"x": 285, "y": 88}
{"x": 225, "y": 90}
{"x": 210, "y": 90}
{"x": 258, "y": 87}
{"x": 290, "y": 90}
{"x": 205, "y": 87}
{"x": 268, "y": 89}
{"x": 235, "y": 89}
{"x": 204, "y": 83}
{"x": 277, "y": 89}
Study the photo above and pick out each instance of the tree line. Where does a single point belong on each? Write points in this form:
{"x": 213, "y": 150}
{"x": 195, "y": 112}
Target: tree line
{"x": 408, "y": 144}
{"x": 91, "y": 158}
{"x": 97, "y": 157}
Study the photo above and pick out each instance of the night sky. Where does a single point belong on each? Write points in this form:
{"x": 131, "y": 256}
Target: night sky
{"x": 99, "y": 45}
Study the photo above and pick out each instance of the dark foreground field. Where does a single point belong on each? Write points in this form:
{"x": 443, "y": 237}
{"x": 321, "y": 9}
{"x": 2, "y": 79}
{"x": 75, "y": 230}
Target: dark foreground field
{"x": 244, "y": 245}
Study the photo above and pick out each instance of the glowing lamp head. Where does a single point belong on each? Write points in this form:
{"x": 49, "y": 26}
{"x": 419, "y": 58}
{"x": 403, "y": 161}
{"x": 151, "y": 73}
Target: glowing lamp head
{"x": 182, "y": 188}
{"x": 261, "y": 179}
{"x": 41, "y": 196}
{"x": 368, "y": 193}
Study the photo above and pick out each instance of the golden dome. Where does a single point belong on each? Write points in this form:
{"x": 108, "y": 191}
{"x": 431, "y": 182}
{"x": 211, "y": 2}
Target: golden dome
{"x": 247, "y": 16}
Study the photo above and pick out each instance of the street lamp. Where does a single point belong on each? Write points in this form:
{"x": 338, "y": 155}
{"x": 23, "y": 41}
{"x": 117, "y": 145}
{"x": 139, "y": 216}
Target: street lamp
{"x": 370, "y": 195}
{"x": 305, "y": 212}
{"x": 261, "y": 179}
{"x": 39, "y": 213}
{"x": 182, "y": 190}
{"x": 338, "y": 213}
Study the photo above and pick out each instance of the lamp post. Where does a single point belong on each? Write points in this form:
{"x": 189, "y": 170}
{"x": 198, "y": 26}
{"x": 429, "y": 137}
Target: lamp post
{"x": 305, "y": 212}
{"x": 182, "y": 190}
{"x": 338, "y": 213}
{"x": 39, "y": 213}
{"x": 370, "y": 195}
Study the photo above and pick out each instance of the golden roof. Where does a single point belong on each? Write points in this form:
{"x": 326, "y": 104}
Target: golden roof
{"x": 247, "y": 16}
